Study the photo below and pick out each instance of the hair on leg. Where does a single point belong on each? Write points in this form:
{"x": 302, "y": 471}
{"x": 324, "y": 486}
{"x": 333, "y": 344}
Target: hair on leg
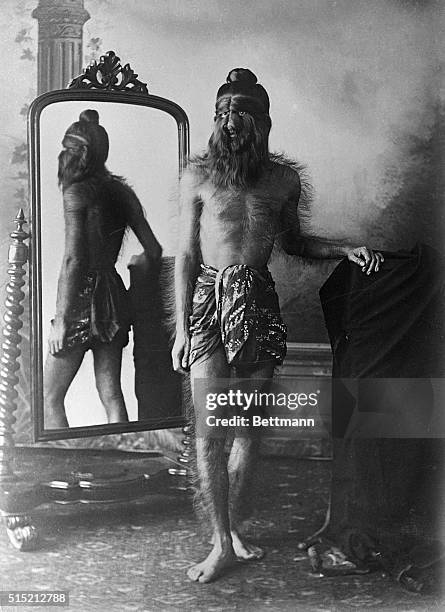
{"x": 107, "y": 370}
{"x": 211, "y": 464}
{"x": 58, "y": 374}
{"x": 243, "y": 460}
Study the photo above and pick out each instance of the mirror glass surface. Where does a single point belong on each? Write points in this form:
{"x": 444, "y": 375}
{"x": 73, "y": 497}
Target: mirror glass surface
{"x": 143, "y": 149}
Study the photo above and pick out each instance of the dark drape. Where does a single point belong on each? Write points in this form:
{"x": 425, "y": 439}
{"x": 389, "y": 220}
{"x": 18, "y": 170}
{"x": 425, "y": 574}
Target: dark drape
{"x": 387, "y": 337}
{"x": 158, "y": 388}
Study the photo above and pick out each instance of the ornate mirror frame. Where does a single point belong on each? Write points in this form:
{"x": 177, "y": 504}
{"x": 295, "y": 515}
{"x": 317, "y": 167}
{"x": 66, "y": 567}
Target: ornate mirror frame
{"x": 104, "y": 81}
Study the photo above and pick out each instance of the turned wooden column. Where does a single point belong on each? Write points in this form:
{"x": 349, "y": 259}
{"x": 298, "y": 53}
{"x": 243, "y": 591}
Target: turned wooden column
{"x": 60, "y": 42}
{"x": 18, "y": 256}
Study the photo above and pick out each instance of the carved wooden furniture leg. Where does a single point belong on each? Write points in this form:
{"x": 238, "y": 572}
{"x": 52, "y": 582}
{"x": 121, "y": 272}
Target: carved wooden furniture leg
{"x": 186, "y": 456}
{"x": 21, "y": 532}
{"x": 181, "y": 475}
{"x": 185, "y": 459}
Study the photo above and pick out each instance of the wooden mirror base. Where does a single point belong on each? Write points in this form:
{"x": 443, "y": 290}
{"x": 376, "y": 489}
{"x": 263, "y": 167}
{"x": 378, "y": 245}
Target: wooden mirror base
{"x": 60, "y": 476}
{"x": 36, "y": 476}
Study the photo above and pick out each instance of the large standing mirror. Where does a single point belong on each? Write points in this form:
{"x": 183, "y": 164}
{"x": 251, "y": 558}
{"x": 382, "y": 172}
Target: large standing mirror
{"x": 148, "y": 145}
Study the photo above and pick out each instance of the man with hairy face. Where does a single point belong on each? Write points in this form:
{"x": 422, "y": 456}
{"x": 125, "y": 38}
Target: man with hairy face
{"x": 237, "y": 200}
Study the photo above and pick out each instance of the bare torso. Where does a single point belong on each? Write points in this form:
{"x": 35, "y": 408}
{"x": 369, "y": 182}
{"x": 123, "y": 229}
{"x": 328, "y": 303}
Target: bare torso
{"x": 223, "y": 226}
{"x": 239, "y": 225}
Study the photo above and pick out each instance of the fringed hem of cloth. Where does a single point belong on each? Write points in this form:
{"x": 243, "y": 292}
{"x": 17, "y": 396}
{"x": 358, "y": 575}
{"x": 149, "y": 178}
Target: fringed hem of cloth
{"x": 237, "y": 307}
{"x": 101, "y": 311}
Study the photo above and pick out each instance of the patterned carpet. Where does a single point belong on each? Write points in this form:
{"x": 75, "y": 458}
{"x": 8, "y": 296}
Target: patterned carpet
{"x": 134, "y": 556}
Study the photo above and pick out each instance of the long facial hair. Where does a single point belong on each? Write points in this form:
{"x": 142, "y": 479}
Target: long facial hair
{"x": 238, "y": 161}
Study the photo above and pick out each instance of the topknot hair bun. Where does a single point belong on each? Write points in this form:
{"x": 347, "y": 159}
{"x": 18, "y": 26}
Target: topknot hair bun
{"x": 88, "y": 131}
{"x": 243, "y": 75}
{"x": 242, "y": 81}
{"x": 89, "y": 116}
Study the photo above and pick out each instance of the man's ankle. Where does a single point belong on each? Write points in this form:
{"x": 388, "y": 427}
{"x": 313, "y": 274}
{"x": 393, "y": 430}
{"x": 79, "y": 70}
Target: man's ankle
{"x": 222, "y": 542}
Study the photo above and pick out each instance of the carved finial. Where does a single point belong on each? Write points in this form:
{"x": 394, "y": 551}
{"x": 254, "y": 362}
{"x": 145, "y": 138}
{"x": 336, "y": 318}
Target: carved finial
{"x": 20, "y": 220}
{"x": 18, "y": 251}
{"x": 110, "y": 75}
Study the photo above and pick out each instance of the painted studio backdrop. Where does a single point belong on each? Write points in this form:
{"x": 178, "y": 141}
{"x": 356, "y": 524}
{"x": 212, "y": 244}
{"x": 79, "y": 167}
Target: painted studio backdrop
{"x": 354, "y": 90}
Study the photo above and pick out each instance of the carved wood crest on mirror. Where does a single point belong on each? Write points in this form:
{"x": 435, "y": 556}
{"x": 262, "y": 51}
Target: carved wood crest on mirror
{"x": 105, "y": 159}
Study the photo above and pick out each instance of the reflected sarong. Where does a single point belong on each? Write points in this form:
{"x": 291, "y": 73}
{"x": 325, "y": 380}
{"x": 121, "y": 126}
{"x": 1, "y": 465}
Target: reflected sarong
{"x": 238, "y": 308}
{"x": 101, "y": 310}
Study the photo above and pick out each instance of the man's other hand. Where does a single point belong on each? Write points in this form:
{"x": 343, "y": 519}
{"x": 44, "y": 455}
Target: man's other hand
{"x": 367, "y": 259}
{"x": 180, "y": 353}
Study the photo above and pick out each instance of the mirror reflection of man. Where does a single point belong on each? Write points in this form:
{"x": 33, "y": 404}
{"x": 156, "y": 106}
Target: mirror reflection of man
{"x": 92, "y": 309}
{"x": 236, "y": 200}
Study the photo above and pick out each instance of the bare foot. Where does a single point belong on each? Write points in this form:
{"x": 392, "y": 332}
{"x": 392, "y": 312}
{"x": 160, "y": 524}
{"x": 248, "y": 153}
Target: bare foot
{"x": 245, "y": 551}
{"x": 209, "y": 569}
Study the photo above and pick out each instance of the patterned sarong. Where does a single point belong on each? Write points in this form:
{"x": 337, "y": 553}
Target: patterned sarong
{"x": 100, "y": 312}
{"x": 237, "y": 308}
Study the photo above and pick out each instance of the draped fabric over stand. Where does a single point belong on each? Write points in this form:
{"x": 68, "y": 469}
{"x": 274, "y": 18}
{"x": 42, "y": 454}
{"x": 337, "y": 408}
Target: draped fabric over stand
{"x": 387, "y": 336}
{"x": 158, "y": 388}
